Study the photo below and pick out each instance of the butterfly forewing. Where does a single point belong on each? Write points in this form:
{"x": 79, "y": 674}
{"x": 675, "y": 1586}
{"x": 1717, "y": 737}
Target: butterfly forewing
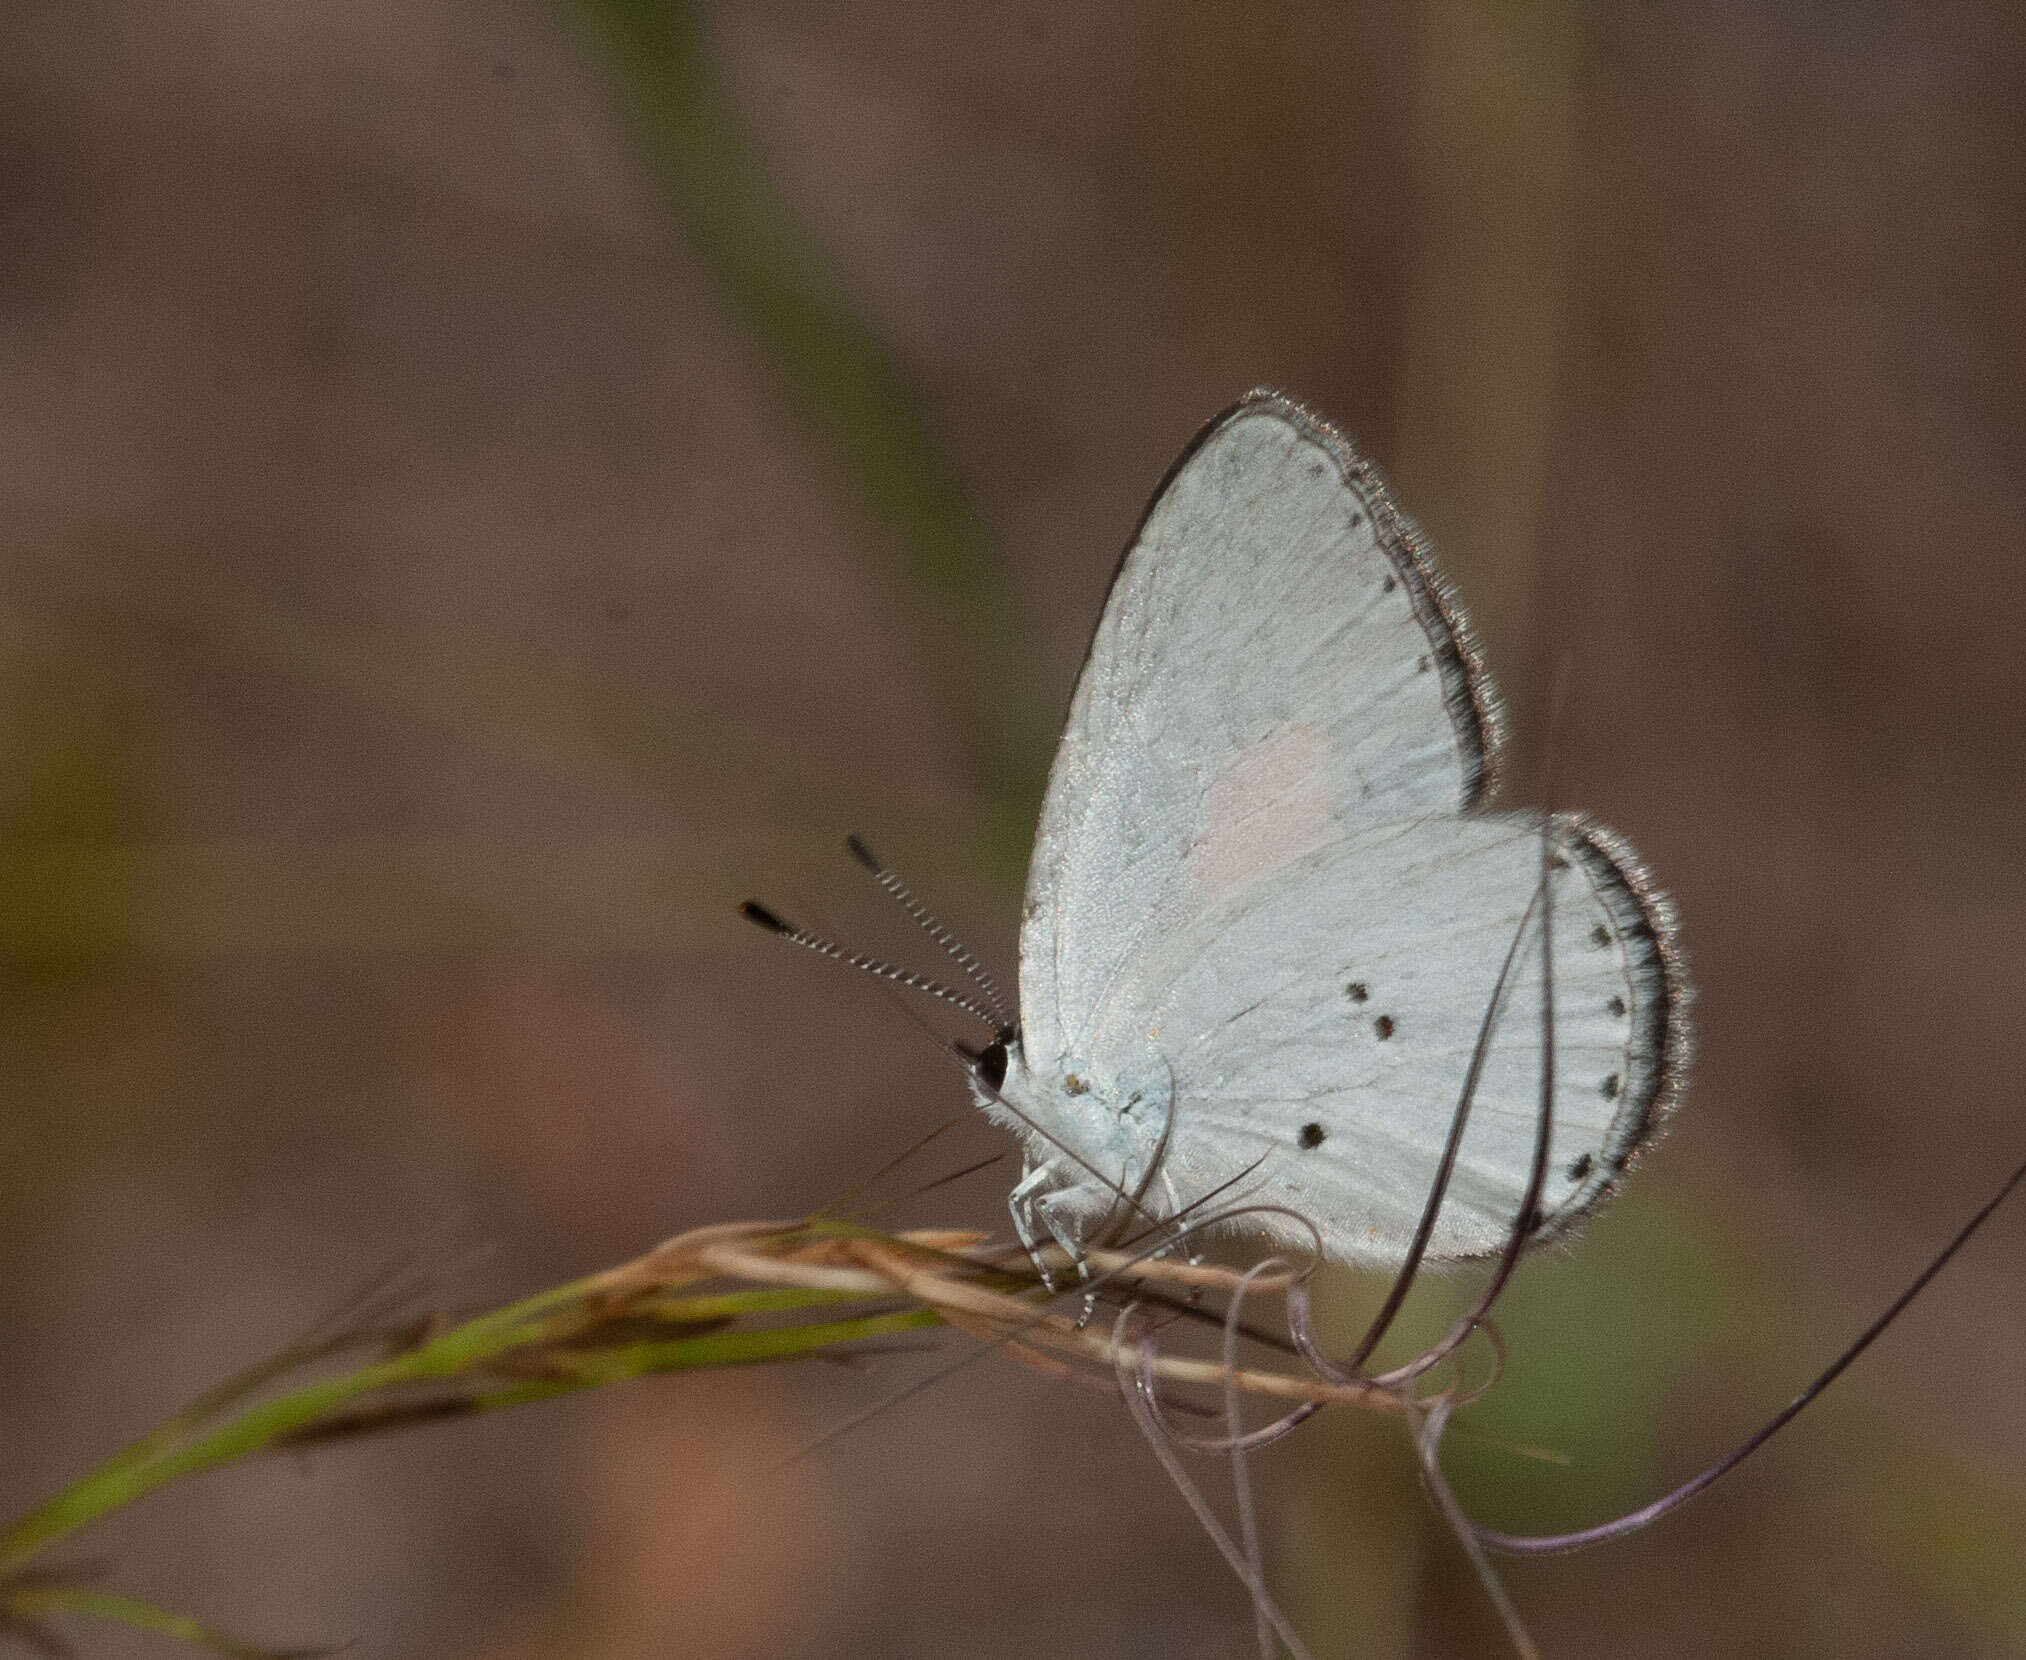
{"x": 1274, "y": 662}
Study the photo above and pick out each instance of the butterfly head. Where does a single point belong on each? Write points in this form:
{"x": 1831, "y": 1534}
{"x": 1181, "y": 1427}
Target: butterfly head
{"x": 989, "y": 1063}
{"x": 1115, "y": 1126}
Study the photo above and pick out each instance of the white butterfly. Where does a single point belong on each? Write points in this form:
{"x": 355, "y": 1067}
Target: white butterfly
{"x": 1265, "y": 918}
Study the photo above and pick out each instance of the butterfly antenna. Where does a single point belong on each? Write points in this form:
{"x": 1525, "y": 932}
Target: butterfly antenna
{"x": 924, "y": 919}
{"x": 761, "y": 917}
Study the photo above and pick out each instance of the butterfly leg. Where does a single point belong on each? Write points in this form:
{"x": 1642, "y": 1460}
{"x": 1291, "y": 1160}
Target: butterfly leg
{"x": 1030, "y": 1220}
{"x": 1042, "y": 1204}
{"x": 1066, "y": 1213}
{"x": 1190, "y": 1255}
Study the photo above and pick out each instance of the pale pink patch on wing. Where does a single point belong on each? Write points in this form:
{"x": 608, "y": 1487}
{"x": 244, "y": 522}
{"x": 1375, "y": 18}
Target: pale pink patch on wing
{"x": 1270, "y": 806}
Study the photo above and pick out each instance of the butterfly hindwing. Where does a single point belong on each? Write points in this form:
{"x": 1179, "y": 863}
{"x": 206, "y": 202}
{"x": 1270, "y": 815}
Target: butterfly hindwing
{"x": 1320, "y": 1028}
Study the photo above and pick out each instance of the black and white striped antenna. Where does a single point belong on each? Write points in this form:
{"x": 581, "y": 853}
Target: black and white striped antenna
{"x": 761, "y": 917}
{"x": 979, "y": 975}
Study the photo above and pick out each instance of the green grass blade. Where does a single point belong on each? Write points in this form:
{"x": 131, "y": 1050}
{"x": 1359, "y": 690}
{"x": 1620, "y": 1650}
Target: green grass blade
{"x": 35, "y": 1603}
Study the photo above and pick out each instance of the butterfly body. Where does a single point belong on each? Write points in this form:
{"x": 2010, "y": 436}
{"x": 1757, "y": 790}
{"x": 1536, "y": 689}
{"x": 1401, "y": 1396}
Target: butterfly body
{"x": 1099, "y": 1144}
{"x": 1267, "y": 913}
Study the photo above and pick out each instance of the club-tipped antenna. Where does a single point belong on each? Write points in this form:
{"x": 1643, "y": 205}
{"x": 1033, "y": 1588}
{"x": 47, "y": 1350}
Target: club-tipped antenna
{"x": 761, "y": 917}
{"x": 960, "y": 954}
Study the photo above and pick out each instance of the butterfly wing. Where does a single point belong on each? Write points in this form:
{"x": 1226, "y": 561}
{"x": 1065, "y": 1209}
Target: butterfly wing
{"x": 1318, "y": 1030}
{"x": 1276, "y": 659}
{"x": 1256, "y": 867}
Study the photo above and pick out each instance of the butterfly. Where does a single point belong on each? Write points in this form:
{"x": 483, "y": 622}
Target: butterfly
{"x": 1279, "y": 959}
{"x": 1267, "y": 909}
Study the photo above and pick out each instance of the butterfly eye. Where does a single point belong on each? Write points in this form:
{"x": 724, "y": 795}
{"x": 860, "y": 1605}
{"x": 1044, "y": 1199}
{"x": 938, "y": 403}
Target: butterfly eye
{"x": 991, "y": 1065}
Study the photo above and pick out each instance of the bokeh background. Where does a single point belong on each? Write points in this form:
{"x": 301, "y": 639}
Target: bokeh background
{"x": 487, "y": 487}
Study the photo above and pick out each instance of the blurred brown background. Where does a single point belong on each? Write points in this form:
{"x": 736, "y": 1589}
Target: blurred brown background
{"x": 487, "y": 487}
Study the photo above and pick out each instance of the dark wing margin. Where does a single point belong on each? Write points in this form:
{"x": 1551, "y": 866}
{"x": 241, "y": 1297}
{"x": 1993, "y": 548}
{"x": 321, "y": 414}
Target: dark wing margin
{"x": 1661, "y": 1040}
{"x": 1467, "y": 689}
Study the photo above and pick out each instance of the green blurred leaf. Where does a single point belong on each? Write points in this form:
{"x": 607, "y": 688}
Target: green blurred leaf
{"x": 34, "y": 1603}
{"x": 1943, "y": 1524}
{"x": 1598, "y": 1336}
